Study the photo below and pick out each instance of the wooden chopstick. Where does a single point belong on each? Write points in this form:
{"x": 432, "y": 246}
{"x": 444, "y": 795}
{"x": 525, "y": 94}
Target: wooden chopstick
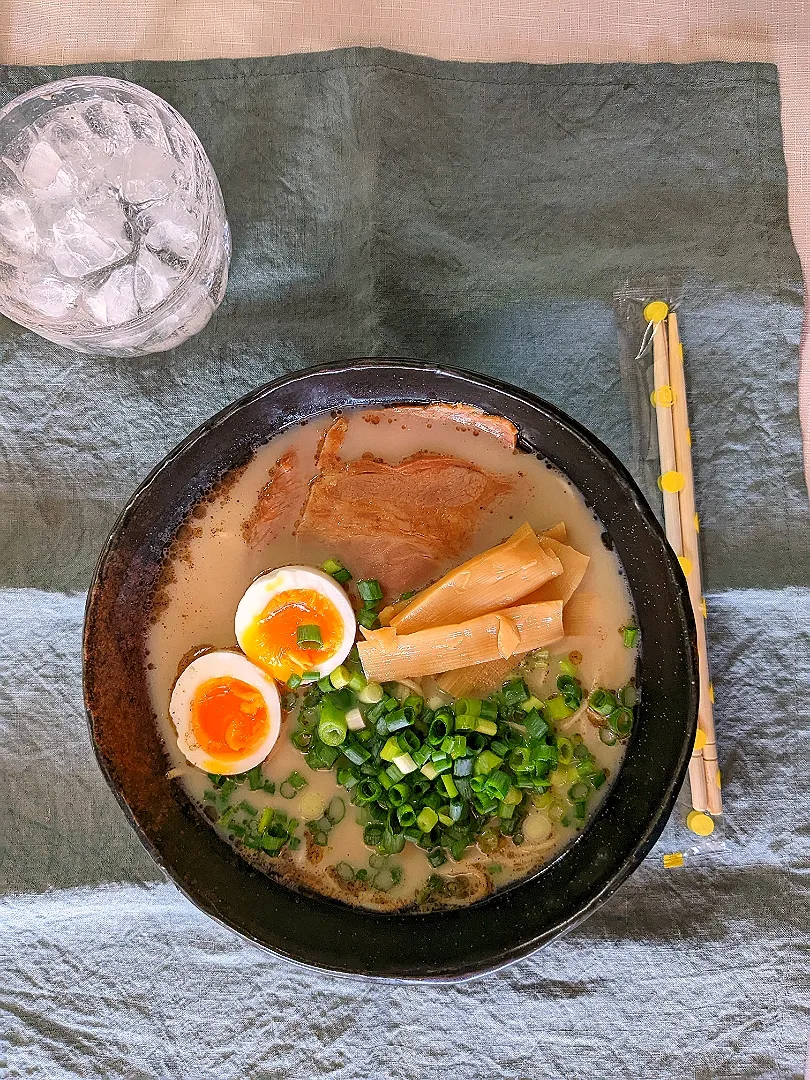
{"x": 662, "y": 399}
{"x": 690, "y": 563}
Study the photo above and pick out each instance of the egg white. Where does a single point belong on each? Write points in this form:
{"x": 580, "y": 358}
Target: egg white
{"x": 269, "y": 585}
{"x": 214, "y": 665}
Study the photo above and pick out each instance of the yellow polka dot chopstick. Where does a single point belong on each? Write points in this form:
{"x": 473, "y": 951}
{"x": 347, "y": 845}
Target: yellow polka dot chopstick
{"x": 706, "y": 742}
{"x": 680, "y": 518}
{"x": 670, "y": 481}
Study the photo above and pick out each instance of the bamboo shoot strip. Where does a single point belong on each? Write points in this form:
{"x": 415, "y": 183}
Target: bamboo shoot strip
{"x": 583, "y": 616}
{"x": 557, "y": 532}
{"x": 490, "y": 581}
{"x": 691, "y": 567}
{"x": 387, "y": 656}
{"x": 478, "y": 680}
{"x": 574, "y": 564}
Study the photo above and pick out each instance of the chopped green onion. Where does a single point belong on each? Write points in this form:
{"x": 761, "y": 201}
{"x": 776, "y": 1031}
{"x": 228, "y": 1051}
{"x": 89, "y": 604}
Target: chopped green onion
{"x": 397, "y": 720}
{"x": 310, "y": 676}
{"x": 337, "y": 570}
{"x": 602, "y": 702}
{"x": 439, "y": 729}
{"x": 565, "y": 750}
{"x": 557, "y": 709}
{"x": 367, "y": 617}
{"x": 465, "y": 722}
{"x": 628, "y": 695}
{"x": 567, "y": 668}
{"x": 340, "y": 677}
{"x": 398, "y": 794}
{"x": 455, "y": 746}
{"x": 415, "y": 704}
{"x": 463, "y": 766}
{"x": 515, "y": 692}
{"x": 331, "y": 566}
{"x": 356, "y": 753}
{"x": 255, "y": 778}
{"x": 486, "y": 727}
{"x": 368, "y": 791}
{"x": 448, "y": 785}
{"x": 409, "y": 741}
{"x": 336, "y": 810}
{"x": 294, "y": 681}
{"x": 371, "y": 694}
{"x": 370, "y": 590}
{"x": 486, "y": 762}
{"x": 607, "y": 736}
{"x": 391, "y": 749}
{"x": 354, "y": 720}
{"x": 383, "y": 880}
{"x": 297, "y": 780}
{"x": 357, "y": 681}
{"x": 405, "y": 764}
{"x": 345, "y": 872}
{"x": 427, "y": 819}
{"x": 571, "y": 691}
{"x": 332, "y": 725}
{"x": 621, "y": 721}
{"x": 308, "y": 636}
{"x": 497, "y": 784}
{"x": 392, "y": 842}
{"x": 532, "y": 703}
{"x": 629, "y": 636}
{"x": 429, "y": 770}
{"x": 264, "y": 820}
{"x": 348, "y": 778}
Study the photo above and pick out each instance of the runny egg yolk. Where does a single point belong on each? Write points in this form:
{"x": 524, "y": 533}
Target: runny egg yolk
{"x": 229, "y": 717}
{"x": 271, "y": 641}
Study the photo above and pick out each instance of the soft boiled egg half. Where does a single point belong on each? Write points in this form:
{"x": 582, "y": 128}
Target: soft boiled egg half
{"x": 226, "y": 713}
{"x": 295, "y": 620}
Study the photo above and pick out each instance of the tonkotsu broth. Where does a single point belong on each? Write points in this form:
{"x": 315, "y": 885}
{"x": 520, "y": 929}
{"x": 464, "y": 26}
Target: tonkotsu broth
{"x": 211, "y": 565}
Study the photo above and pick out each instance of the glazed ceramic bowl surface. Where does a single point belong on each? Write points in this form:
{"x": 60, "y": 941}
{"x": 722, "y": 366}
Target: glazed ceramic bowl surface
{"x": 314, "y": 930}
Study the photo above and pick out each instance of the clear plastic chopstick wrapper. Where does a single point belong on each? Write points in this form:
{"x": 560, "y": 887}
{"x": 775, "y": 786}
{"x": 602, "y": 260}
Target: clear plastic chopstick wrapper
{"x": 113, "y": 234}
{"x": 652, "y": 364}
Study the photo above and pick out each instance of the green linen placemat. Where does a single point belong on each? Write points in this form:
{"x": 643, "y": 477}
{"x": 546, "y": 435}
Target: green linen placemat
{"x": 481, "y": 216}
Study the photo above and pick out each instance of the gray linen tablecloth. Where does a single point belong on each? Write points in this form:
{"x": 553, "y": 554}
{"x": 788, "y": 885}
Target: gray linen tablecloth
{"x": 481, "y": 216}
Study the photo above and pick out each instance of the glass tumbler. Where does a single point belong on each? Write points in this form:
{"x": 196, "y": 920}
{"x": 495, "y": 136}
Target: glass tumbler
{"x": 113, "y": 234}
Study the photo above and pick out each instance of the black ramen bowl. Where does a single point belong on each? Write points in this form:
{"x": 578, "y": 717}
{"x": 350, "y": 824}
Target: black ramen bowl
{"x": 313, "y": 930}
